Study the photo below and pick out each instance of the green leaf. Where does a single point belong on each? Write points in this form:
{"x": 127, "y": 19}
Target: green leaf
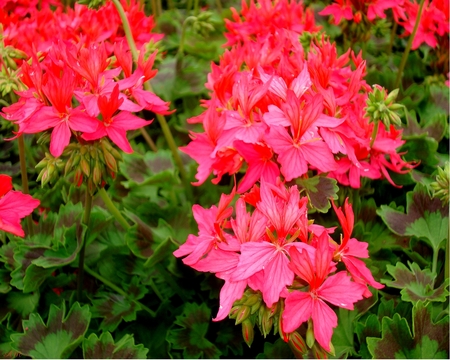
{"x": 429, "y": 340}
{"x": 190, "y": 333}
{"x": 105, "y": 348}
{"x": 58, "y": 338}
{"x": 6, "y": 351}
{"x": 432, "y": 227}
{"x": 343, "y": 334}
{"x": 278, "y": 350}
{"x": 371, "y": 328}
{"x": 71, "y": 238}
{"x": 114, "y": 308}
{"x": 319, "y": 190}
{"x": 416, "y": 284}
{"x": 24, "y": 304}
{"x": 418, "y": 205}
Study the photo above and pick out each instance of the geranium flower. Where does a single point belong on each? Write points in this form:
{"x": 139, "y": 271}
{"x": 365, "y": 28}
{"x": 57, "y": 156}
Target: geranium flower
{"x": 14, "y": 206}
{"x": 337, "y": 289}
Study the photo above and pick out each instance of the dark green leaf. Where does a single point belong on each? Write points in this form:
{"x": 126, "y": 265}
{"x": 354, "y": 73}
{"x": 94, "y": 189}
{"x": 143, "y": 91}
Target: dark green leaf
{"x": 190, "y": 333}
{"x": 417, "y": 284}
{"x": 24, "y": 304}
{"x": 319, "y": 189}
{"x": 278, "y": 350}
{"x": 429, "y": 340}
{"x": 58, "y": 338}
{"x": 105, "y": 348}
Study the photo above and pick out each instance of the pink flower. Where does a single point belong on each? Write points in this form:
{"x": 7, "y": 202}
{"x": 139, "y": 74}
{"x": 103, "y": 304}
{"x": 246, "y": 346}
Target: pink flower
{"x": 115, "y": 126}
{"x": 337, "y": 289}
{"x": 14, "y": 206}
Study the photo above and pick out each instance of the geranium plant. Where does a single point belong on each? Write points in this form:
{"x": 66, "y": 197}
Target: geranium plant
{"x": 254, "y": 179}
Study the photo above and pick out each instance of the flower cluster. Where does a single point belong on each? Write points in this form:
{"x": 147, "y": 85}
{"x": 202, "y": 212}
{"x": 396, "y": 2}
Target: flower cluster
{"x": 32, "y": 25}
{"x": 282, "y": 111}
{"x": 276, "y": 250}
{"x": 14, "y": 206}
{"x": 434, "y": 21}
{"x": 77, "y": 91}
{"x": 265, "y": 17}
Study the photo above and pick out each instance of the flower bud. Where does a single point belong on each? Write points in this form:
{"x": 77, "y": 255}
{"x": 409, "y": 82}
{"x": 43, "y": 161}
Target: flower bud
{"x": 85, "y": 167}
{"x": 310, "y": 339}
{"x": 297, "y": 344}
{"x": 248, "y": 332}
{"x": 242, "y": 314}
{"x": 442, "y": 184}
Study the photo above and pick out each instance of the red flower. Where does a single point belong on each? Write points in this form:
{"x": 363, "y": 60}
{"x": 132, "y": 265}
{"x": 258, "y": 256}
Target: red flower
{"x": 14, "y": 206}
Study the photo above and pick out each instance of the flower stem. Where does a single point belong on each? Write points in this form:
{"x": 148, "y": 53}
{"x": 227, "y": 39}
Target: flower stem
{"x": 162, "y": 121}
{"x": 148, "y": 139}
{"x": 86, "y": 217}
{"x": 113, "y": 210}
{"x": 23, "y": 168}
{"x": 180, "y": 52}
{"x": 391, "y": 41}
{"x": 374, "y": 132}
{"x": 117, "y": 289}
{"x": 408, "y": 47}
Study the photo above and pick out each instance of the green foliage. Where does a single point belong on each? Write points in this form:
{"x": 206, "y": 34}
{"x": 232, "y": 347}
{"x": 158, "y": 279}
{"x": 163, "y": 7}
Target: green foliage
{"x": 56, "y": 339}
{"x": 105, "y": 348}
{"x": 319, "y": 189}
{"x": 427, "y": 339}
{"x": 190, "y": 333}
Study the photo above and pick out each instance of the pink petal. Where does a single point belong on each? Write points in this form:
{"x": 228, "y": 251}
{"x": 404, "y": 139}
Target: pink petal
{"x": 254, "y": 257}
{"x": 341, "y": 291}
{"x": 119, "y": 137}
{"x": 277, "y": 276}
{"x": 81, "y": 121}
{"x": 60, "y": 138}
{"x": 230, "y": 292}
{"x": 128, "y": 121}
{"x": 324, "y": 320}
{"x": 298, "y": 309}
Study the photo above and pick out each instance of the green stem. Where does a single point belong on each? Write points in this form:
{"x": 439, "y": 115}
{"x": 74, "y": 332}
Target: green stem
{"x": 86, "y": 217}
{"x": 170, "y": 5}
{"x": 447, "y": 255}
{"x": 160, "y": 10}
{"x": 162, "y": 121}
{"x": 408, "y": 47}
{"x": 196, "y": 6}
{"x": 113, "y": 210}
{"x": 148, "y": 139}
{"x": 434, "y": 264}
{"x": 180, "y": 52}
{"x": 374, "y": 133}
{"x": 154, "y": 9}
{"x": 219, "y": 6}
{"x": 391, "y": 41}
{"x": 117, "y": 289}
{"x": 23, "y": 168}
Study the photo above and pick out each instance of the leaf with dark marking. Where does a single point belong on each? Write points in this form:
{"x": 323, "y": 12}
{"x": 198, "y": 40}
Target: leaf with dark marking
{"x": 417, "y": 284}
{"x": 105, "y": 348}
{"x": 319, "y": 189}
{"x": 190, "y": 333}
{"x": 427, "y": 340}
{"x": 58, "y": 338}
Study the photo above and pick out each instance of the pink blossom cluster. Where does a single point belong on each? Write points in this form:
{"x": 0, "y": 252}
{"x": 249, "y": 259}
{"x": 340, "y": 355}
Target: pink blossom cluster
{"x": 77, "y": 90}
{"x": 434, "y": 22}
{"x": 264, "y": 17}
{"x": 277, "y": 250}
{"x": 283, "y": 111}
{"x": 33, "y": 26}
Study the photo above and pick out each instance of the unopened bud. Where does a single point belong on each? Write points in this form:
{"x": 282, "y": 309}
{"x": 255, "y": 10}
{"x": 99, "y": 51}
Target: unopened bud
{"x": 97, "y": 174}
{"x": 243, "y": 314}
{"x": 78, "y": 178}
{"x": 110, "y": 161}
{"x": 297, "y": 344}
{"x": 310, "y": 339}
{"x": 84, "y": 165}
{"x": 248, "y": 332}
